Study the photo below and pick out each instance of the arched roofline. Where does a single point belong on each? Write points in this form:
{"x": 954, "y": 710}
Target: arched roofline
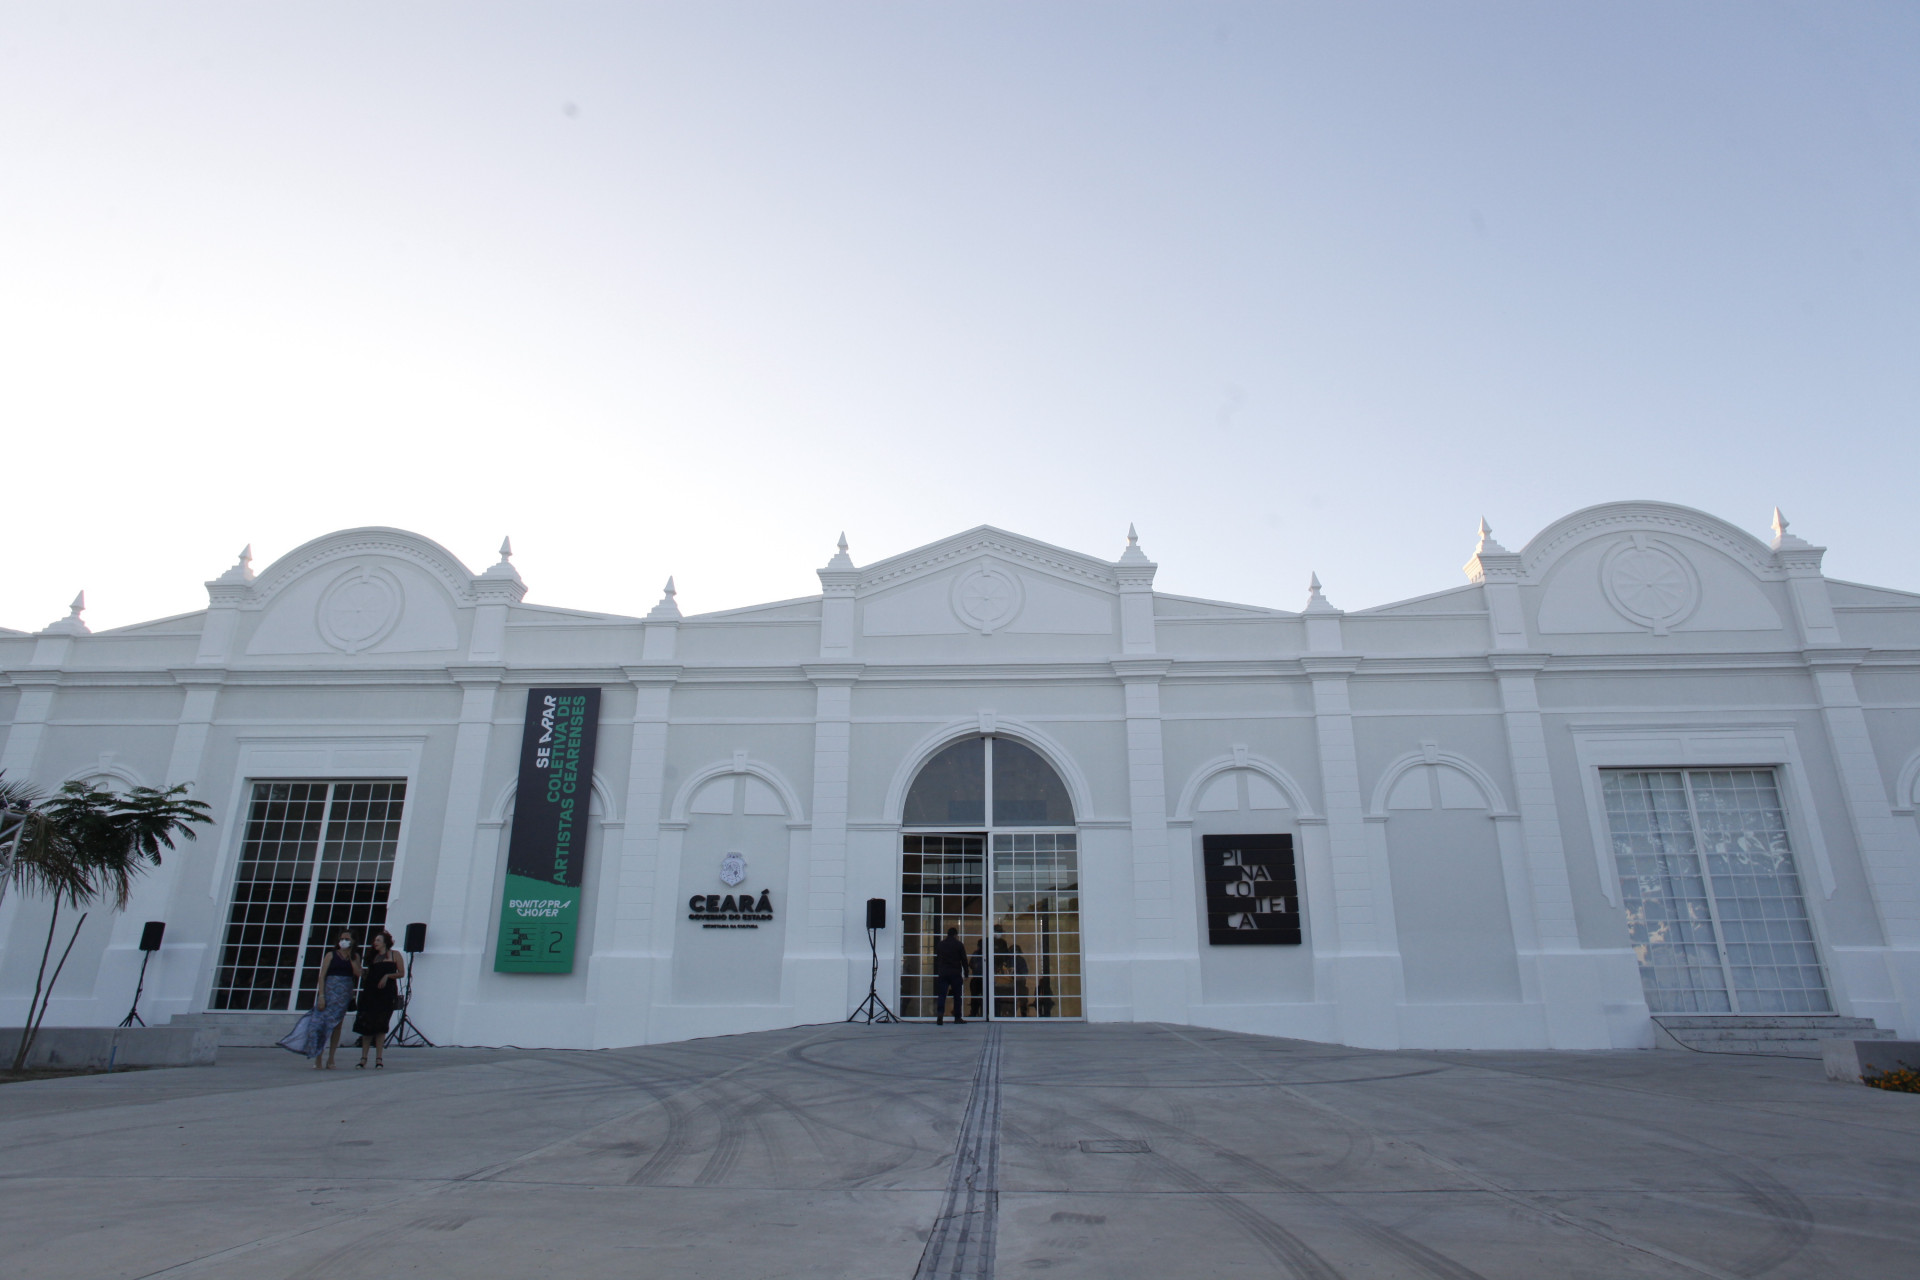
{"x": 677, "y": 811}
{"x": 1489, "y": 789}
{"x": 1296, "y": 794}
{"x": 401, "y": 544}
{"x": 1020, "y": 731}
{"x": 1554, "y": 541}
{"x": 601, "y": 792}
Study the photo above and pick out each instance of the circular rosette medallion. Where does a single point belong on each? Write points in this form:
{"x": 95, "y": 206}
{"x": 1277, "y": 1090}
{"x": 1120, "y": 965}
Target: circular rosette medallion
{"x": 360, "y": 609}
{"x": 1650, "y": 584}
{"x": 986, "y": 597}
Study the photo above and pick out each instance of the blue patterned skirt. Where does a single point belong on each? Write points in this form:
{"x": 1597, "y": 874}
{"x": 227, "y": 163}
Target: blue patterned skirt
{"x": 320, "y": 1023}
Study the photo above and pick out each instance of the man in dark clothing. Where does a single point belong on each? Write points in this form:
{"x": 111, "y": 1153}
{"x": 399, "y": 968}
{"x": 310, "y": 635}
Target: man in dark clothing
{"x": 950, "y": 963}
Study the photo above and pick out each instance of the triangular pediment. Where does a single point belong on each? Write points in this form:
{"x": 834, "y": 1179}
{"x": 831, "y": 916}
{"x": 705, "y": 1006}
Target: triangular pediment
{"x": 1029, "y": 553}
{"x": 987, "y": 581}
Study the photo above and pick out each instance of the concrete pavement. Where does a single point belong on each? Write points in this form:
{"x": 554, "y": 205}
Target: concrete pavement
{"x": 1070, "y": 1150}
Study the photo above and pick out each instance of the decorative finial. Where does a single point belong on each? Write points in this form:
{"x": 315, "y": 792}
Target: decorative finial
{"x": 242, "y": 570}
{"x": 1487, "y": 545}
{"x": 71, "y": 625}
{"x": 1317, "y": 602}
{"x": 1133, "y": 537}
{"x": 1782, "y": 540}
{"x": 841, "y": 560}
{"x": 666, "y": 610}
{"x": 506, "y": 550}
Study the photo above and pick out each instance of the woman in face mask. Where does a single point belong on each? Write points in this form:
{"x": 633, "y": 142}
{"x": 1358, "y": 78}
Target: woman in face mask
{"x": 338, "y": 975}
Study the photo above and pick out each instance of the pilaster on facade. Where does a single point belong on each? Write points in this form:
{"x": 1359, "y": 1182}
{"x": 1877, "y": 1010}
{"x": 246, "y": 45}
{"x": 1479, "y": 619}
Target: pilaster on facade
{"x": 1165, "y": 939}
{"x": 455, "y": 923}
{"x": 1889, "y": 847}
{"x": 202, "y": 695}
{"x": 644, "y": 882}
{"x": 825, "y": 877}
{"x": 1364, "y": 973}
{"x": 1362, "y": 904}
{"x": 30, "y": 716}
{"x": 1552, "y": 891}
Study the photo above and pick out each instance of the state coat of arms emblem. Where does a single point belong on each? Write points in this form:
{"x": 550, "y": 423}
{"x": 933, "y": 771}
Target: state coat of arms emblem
{"x": 733, "y": 868}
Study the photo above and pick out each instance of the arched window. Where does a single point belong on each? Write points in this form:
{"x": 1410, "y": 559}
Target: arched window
{"x": 990, "y": 851}
{"x": 953, "y": 788}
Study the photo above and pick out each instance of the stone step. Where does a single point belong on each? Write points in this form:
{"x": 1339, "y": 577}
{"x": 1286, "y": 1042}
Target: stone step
{"x": 1822, "y": 1021}
{"x": 1707, "y": 1035}
{"x": 241, "y": 1030}
{"x": 1764, "y": 1035}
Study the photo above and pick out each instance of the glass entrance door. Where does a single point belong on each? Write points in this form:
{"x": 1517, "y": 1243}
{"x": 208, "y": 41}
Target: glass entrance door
{"x": 1008, "y": 879}
{"x": 1018, "y": 918}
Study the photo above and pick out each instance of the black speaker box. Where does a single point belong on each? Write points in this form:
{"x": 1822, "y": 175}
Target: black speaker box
{"x": 150, "y": 936}
{"x": 876, "y": 913}
{"x": 416, "y": 937}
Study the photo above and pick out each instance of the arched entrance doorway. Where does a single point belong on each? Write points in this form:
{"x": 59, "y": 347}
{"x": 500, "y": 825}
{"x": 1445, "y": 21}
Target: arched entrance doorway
{"x": 989, "y": 845}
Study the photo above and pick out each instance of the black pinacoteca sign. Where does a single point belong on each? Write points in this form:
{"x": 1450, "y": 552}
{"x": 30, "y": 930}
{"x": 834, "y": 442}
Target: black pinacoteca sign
{"x": 540, "y": 905}
{"x": 1251, "y": 895}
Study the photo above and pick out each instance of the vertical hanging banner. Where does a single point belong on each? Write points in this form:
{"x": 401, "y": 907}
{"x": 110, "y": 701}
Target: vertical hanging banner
{"x": 540, "y": 906}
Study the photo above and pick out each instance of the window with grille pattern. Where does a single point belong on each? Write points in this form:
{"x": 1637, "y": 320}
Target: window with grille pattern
{"x": 317, "y": 858}
{"x": 1714, "y": 909}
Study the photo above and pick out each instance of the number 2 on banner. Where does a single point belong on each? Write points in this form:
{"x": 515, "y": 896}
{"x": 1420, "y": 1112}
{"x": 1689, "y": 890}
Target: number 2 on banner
{"x": 553, "y": 948}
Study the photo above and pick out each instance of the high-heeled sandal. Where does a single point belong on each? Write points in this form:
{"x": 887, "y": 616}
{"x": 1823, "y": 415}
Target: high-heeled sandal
{"x": 359, "y": 1066}
{"x": 379, "y": 1066}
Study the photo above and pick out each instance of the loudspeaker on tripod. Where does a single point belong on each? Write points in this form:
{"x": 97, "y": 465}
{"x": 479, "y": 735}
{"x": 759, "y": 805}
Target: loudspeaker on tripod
{"x": 876, "y": 913}
{"x": 406, "y": 1033}
{"x": 149, "y": 943}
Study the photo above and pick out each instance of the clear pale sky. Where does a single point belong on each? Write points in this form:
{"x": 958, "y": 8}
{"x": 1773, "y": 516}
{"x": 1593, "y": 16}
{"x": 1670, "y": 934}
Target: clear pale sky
{"x": 689, "y": 289}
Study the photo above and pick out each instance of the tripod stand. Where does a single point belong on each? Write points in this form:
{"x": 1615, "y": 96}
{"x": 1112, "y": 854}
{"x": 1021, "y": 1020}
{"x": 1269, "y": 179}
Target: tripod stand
{"x": 407, "y": 1033}
{"x": 873, "y": 1009}
{"x": 133, "y": 1014}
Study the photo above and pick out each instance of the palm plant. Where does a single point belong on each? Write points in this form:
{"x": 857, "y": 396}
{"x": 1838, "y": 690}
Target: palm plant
{"x": 83, "y": 846}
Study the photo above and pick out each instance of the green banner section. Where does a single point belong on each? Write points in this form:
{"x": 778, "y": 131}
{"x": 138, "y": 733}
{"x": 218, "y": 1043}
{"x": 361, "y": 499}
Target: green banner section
{"x": 546, "y": 851}
{"x": 537, "y": 923}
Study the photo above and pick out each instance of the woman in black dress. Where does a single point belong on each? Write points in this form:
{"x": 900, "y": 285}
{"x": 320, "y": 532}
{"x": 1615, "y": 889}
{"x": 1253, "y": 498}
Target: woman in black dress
{"x": 379, "y": 989}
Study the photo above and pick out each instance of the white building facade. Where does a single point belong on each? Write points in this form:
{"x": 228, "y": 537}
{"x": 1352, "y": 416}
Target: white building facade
{"x": 1648, "y": 764}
